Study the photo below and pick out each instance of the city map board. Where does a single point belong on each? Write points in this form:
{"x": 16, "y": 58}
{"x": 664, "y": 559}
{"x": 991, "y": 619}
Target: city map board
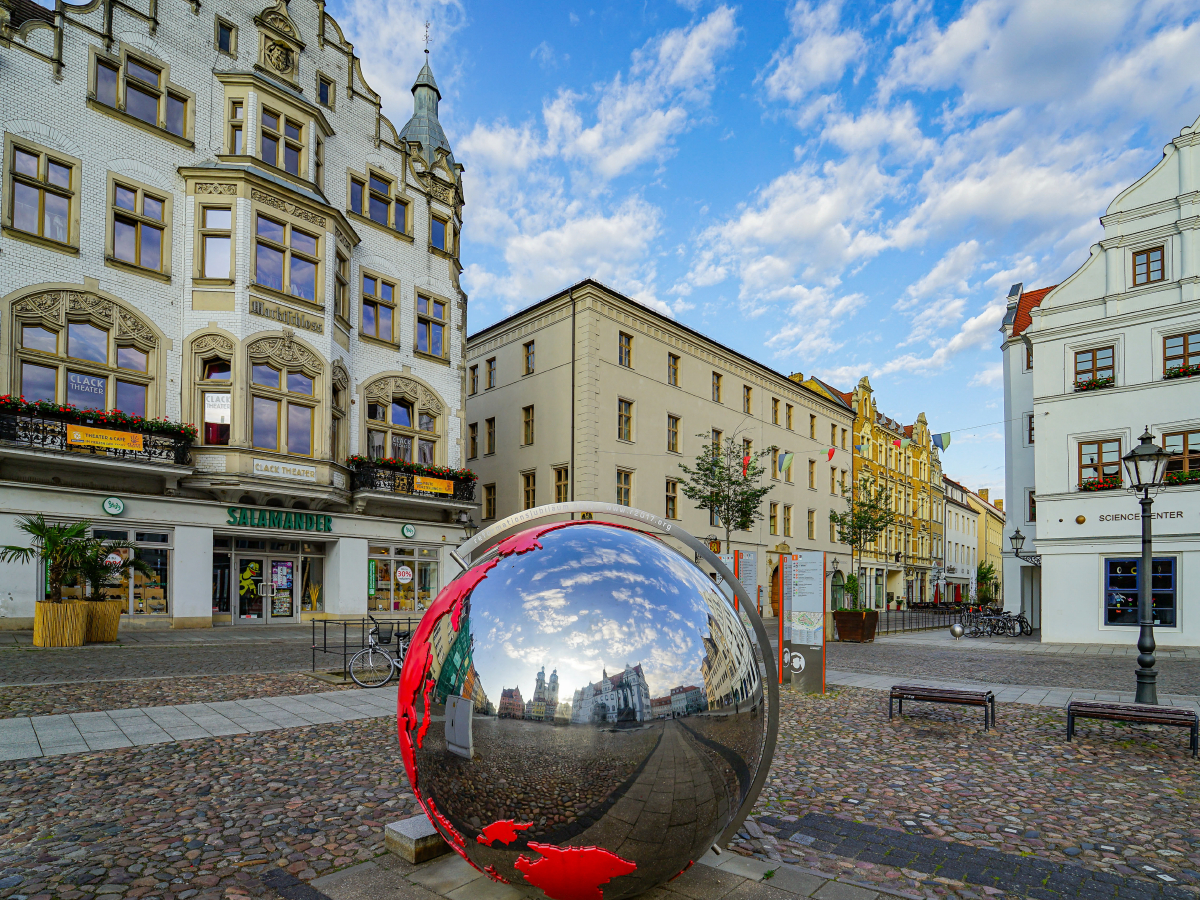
{"x": 804, "y": 628}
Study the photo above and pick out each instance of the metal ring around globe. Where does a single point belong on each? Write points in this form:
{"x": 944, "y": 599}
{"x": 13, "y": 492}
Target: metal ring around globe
{"x": 484, "y": 538}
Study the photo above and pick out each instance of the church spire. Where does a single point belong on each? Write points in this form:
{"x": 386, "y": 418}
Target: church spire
{"x": 424, "y": 126}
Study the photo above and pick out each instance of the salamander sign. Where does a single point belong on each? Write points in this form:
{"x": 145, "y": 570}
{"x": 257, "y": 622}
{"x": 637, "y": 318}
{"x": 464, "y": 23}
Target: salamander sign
{"x": 279, "y": 519}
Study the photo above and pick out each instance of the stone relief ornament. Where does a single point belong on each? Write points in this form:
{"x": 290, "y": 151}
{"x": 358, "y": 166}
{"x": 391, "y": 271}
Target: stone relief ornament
{"x": 279, "y": 55}
{"x": 213, "y": 342}
{"x": 439, "y": 190}
{"x": 132, "y": 328}
{"x": 47, "y": 306}
{"x": 388, "y": 387}
{"x": 284, "y": 351}
{"x": 91, "y": 306}
{"x": 341, "y": 378}
{"x": 211, "y": 188}
{"x": 599, "y": 718}
{"x": 281, "y": 23}
{"x": 289, "y": 208}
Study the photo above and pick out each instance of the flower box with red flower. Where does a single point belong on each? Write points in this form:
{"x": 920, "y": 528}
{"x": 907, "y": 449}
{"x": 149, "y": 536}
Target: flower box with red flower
{"x": 1094, "y": 384}
{"x": 1181, "y": 372}
{"x": 1179, "y": 477}
{"x": 1107, "y": 483}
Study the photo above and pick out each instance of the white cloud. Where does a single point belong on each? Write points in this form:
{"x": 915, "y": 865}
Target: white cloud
{"x": 988, "y": 376}
{"x": 951, "y": 273}
{"x": 978, "y": 331}
{"x": 817, "y": 54}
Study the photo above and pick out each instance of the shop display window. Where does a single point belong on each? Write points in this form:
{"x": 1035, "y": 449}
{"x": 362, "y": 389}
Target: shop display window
{"x": 221, "y": 576}
{"x": 146, "y": 594}
{"x": 1122, "y": 582}
{"x": 402, "y": 578}
{"x": 312, "y": 585}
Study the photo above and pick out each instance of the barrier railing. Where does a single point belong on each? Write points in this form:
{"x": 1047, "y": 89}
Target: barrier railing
{"x": 342, "y": 638}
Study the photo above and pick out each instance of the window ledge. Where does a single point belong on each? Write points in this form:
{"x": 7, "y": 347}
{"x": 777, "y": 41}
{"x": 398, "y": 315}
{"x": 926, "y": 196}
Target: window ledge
{"x": 429, "y": 356}
{"x": 371, "y": 339}
{"x": 624, "y": 441}
{"x": 444, "y": 254}
{"x": 387, "y": 229}
{"x": 212, "y": 282}
{"x": 38, "y": 240}
{"x": 113, "y": 263}
{"x": 128, "y": 119}
{"x": 283, "y": 297}
{"x": 343, "y": 321}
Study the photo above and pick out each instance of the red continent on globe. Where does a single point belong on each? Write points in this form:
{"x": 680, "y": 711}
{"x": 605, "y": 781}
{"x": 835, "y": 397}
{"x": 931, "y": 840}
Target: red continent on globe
{"x": 504, "y": 831}
{"x": 572, "y": 873}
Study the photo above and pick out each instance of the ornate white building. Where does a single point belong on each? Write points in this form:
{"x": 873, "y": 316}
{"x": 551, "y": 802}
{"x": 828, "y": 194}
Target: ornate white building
{"x": 1089, "y": 364}
{"x": 207, "y": 218}
{"x": 624, "y": 697}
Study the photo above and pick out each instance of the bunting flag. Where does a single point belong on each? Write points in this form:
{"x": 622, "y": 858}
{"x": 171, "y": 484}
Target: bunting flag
{"x": 942, "y": 441}
{"x": 904, "y": 442}
{"x": 785, "y": 460}
{"x": 858, "y": 448}
{"x": 896, "y": 443}
{"x": 830, "y": 456}
{"x": 745, "y": 465}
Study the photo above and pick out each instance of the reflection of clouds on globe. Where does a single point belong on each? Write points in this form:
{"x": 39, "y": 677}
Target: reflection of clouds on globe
{"x": 607, "y": 601}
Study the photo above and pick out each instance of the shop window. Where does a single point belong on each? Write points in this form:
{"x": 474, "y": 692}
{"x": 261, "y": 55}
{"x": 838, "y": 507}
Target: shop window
{"x": 43, "y": 187}
{"x": 215, "y": 373}
{"x": 286, "y": 258}
{"x": 1122, "y": 583}
{"x": 378, "y": 306}
{"x": 147, "y": 593}
{"x": 312, "y": 583}
{"x": 431, "y": 326}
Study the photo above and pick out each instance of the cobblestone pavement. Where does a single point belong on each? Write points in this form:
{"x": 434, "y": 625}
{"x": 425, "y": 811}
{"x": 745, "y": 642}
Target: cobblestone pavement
{"x": 109, "y": 663}
{"x": 888, "y": 657}
{"x": 1116, "y": 800}
{"x": 95, "y": 696}
{"x": 200, "y": 819}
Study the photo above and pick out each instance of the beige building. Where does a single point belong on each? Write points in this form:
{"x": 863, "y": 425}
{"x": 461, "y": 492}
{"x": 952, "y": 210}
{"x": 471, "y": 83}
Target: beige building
{"x": 588, "y": 395}
{"x": 991, "y": 534}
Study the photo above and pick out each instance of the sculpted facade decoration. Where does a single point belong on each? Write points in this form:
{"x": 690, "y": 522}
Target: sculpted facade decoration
{"x": 390, "y": 386}
{"x": 289, "y": 208}
{"x": 284, "y": 351}
{"x": 213, "y": 343}
{"x": 341, "y": 378}
{"x": 219, "y": 189}
{"x": 54, "y": 308}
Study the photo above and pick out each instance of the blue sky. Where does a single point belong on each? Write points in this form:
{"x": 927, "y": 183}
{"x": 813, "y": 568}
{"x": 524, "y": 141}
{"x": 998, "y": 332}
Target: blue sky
{"x": 837, "y": 189}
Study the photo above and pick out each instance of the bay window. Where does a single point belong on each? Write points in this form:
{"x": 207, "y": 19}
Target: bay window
{"x": 286, "y": 258}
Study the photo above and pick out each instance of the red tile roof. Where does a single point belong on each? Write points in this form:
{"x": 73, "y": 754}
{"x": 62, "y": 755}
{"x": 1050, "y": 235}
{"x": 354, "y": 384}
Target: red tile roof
{"x": 1029, "y": 299}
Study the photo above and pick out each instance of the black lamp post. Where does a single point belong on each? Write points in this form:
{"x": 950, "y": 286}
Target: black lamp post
{"x": 1018, "y": 541}
{"x": 1146, "y": 466}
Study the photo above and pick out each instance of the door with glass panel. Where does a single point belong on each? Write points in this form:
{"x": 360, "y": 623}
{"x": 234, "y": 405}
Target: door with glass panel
{"x": 282, "y": 590}
{"x": 251, "y": 589}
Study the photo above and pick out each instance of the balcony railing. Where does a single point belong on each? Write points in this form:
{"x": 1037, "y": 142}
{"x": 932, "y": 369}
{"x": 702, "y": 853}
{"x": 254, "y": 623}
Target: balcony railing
{"x": 369, "y": 477}
{"x": 38, "y": 433}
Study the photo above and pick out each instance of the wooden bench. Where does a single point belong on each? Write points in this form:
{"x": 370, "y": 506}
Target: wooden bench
{"x": 1134, "y": 712}
{"x": 903, "y": 692}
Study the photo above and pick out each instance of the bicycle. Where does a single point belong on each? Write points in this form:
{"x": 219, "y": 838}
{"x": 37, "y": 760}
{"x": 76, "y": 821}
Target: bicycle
{"x": 373, "y": 666}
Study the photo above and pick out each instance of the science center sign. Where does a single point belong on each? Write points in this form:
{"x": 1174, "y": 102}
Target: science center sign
{"x": 525, "y": 719}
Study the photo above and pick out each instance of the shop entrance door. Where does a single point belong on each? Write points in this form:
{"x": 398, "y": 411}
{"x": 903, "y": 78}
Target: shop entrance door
{"x": 266, "y": 589}
{"x": 251, "y": 591}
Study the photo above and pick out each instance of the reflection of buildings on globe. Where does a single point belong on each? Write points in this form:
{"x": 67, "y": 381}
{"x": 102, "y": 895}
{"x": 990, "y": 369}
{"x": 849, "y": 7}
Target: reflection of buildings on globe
{"x": 511, "y": 704}
{"x": 624, "y": 697}
{"x": 621, "y": 791}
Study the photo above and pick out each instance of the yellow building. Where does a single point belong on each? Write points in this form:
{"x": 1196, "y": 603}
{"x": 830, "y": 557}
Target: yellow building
{"x": 991, "y": 534}
{"x": 902, "y": 566}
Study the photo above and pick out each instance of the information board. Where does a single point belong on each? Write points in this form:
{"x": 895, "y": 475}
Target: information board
{"x": 804, "y": 619}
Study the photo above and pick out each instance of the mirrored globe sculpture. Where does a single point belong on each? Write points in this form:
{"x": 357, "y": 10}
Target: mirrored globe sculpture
{"x": 581, "y": 712}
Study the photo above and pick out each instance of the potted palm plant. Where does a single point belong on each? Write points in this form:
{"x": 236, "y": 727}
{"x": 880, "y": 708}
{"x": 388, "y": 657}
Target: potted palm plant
{"x": 101, "y": 564}
{"x": 56, "y": 622}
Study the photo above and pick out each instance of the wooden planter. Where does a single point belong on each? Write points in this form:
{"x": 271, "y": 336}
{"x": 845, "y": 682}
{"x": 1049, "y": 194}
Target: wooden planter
{"x": 60, "y": 624}
{"x": 856, "y": 625}
{"x": 104, "y": 618}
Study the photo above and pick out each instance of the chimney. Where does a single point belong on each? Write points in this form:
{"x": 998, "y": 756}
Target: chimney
{"x": 999, "y": 504}
{"x": 983, "y": 492}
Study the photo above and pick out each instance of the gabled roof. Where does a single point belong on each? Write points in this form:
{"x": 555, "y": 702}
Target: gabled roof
{"x": 1028, "y": 300}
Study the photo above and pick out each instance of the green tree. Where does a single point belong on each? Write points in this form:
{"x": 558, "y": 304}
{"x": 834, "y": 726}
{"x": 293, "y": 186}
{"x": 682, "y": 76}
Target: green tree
{"x": 985, "y": 581}
{"x": 868, "y": 512}
{"x": 94, "y": 568}
{"x": 724, "y": 482}
{"x": 60, "y": 547}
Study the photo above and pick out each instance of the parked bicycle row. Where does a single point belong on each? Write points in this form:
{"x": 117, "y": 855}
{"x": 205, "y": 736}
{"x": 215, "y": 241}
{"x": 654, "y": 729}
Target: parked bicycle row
{"x": 994, "y": 623}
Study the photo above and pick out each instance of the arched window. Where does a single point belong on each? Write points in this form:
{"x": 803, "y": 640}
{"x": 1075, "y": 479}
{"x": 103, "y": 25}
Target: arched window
{"x": 405, "y": 421}
{"x": 212, "y": 357}
{"x": 80, "y": 348}
{"x": 284, "y": 396}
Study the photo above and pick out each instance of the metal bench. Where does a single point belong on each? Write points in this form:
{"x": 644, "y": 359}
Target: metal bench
{"x": 903, "y": 692}
{"x": 1134, "y": 712}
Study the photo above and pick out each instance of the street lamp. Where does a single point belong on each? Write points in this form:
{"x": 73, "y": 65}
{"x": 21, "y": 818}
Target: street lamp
{"x": 1018, "y": 541}
{"x": 1146, "y": 466}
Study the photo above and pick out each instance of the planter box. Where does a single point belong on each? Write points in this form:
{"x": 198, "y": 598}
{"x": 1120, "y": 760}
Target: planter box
{"x": 856, "y": 625}
{"x": 60, "y": 624}
{"x": 103, "y": 621}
